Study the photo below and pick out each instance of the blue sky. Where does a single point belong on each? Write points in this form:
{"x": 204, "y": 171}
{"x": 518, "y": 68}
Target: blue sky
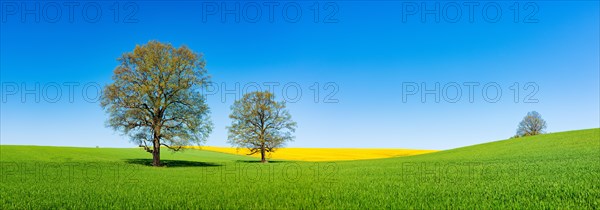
{"x": 362, "y": 55}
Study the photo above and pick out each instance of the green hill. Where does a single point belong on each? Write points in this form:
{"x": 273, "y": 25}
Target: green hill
{"x": 559, "y": 170}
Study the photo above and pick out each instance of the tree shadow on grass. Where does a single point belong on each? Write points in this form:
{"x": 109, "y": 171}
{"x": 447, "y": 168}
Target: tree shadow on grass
{"x": 258, "y": 161}
{"x": 171, "y": 163}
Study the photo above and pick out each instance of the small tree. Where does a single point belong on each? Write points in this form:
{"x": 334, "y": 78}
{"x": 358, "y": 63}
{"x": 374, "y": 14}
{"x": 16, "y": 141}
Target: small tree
{"x": 260, "y": 124}
{"x": 532, "y": 124}
{"x": 154, "y": 98}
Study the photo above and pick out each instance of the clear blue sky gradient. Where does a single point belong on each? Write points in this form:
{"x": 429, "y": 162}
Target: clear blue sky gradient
{"x": 369, "y": 53}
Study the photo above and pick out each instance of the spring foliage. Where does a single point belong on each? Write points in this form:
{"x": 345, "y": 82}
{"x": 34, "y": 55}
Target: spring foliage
{"x": 154, "y": 97}
{"x": 260, "y": 124}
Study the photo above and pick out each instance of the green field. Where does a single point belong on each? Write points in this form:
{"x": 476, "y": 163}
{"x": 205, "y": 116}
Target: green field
{"x": 559, "y": 170}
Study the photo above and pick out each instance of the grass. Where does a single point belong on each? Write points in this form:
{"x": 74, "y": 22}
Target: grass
{"x": 322, "y": 154}
{"x": 559, "y": 170}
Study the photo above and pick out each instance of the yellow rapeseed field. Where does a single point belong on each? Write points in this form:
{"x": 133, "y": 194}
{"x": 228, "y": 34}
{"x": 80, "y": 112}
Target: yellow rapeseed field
{"x": 322, "y": 154}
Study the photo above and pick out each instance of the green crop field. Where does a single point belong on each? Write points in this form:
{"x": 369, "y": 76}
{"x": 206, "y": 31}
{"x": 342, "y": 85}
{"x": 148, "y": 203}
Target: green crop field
{"x": 559, "y": 170}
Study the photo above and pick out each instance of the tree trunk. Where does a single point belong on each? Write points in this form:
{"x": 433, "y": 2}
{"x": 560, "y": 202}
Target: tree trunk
{"x": 262, "y": 155}
{"x": 156, "y": 152}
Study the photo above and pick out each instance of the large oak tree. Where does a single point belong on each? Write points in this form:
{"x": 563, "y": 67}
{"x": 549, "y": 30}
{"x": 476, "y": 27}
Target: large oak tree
{"x": 260, "y": 124}
{"x": 155, "y": 98}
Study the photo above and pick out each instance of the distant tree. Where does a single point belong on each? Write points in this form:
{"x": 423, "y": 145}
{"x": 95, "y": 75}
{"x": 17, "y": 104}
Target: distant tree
{"x": 260, "y": 124}
{"x": 155, "y": 98}
{"x": 532, "y": 124}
